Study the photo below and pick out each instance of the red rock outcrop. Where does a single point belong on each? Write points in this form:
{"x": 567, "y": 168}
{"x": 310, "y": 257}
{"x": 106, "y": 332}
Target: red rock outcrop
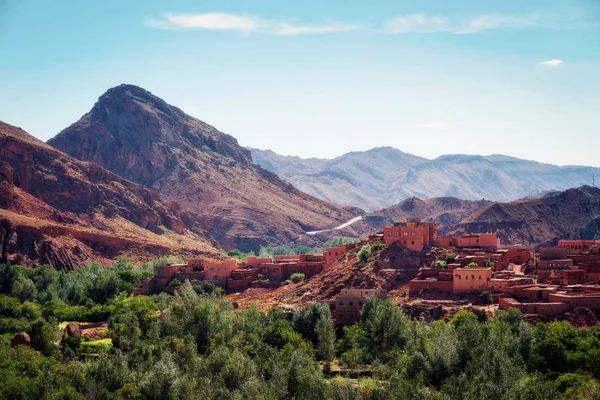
{"x": 57, "y": 210}
{"x": 140, "y": 137}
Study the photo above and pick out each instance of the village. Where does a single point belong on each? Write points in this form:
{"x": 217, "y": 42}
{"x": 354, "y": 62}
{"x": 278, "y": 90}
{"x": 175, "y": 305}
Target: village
{"x": 547, "y": 282}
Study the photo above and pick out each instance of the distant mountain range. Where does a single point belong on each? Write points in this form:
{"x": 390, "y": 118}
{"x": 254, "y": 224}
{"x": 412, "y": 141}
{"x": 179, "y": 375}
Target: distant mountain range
{"x": 383, "y": 176}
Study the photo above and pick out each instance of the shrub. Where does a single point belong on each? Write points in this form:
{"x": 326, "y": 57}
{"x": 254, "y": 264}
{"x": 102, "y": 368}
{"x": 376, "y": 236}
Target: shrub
{"x": 486, "y": 297}
{"x": 472, "y": 265}
{"x": 175, "y": 282}
{"x": 490, "y": 264}
{"x": 440, "y": 264}
{"x": 450, "y": 258}
{"x": 376, "y": 247}
{"x": 296, "y": 277}
{"x": 364, "y": 253}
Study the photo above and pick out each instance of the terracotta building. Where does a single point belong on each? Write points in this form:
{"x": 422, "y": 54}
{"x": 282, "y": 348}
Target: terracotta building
{"x": 413, "y": 234}
{"x": 582, "y": 245}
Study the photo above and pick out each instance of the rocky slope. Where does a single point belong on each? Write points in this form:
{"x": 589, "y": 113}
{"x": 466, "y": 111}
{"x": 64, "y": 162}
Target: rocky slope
{"x": 571, "y": 214}
{"x": 383, "y": 176}
{"x": 60, "y": 211}
{"x": 140, "y": 137}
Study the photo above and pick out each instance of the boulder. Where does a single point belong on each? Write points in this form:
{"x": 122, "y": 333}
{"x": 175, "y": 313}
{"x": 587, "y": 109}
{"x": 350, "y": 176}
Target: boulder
{"x": 21, "y": 339}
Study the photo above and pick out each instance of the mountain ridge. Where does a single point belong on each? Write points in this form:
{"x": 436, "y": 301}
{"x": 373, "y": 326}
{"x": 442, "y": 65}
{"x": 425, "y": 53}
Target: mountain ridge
{"x": 140, "y": 137}
{"x": 495, "y": 177}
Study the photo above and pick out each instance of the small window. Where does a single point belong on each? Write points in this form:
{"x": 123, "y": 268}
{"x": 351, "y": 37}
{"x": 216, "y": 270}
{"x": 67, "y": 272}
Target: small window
{"x": 467, "y": 277}
{"x": 389, "y": 233}
{"x": 397, "y": 234}
{"x": 479, "y": 277}
{"x": 477, "y": 240}
{"x": 405, "y": 233}
{"x": 351, "y": 303}
{"x": 341, "y": 303}
{"x": 413, "y": 234}
{"x": 413, "y": 242}
{"x": 360, "y": 303}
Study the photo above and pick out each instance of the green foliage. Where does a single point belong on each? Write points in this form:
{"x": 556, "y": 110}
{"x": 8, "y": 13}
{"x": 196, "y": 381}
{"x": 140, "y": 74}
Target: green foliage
{"x": 490, "y": 264}
{"x": 364, "y": 253}
{"x": 194, "y": 344}
{"x": 296, "y": 277}
{"x": 439, "y": 264}
{"x": 175, "y": 282}
{"x": 450, "y": 258}
{"x": 486, "y": 297}
{"x": 472, "y": 265}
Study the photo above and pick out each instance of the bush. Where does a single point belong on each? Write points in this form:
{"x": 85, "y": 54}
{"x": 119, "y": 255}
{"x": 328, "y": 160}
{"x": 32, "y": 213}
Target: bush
{"x": 364, "y": 253}
{"x": 450, "y": 258}
{"x": 175, "y": 282}
{"x": 486, "y": 297}
{"x": 490, "y": 264}
{"x": 472, "y": 265}
{"x": 296, "y": 277}
{"x": 439, "y": 264}
{"x": 376, "y": 247}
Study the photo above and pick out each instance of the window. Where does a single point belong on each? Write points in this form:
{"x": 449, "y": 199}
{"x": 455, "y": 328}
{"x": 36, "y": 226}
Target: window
{"x": 479, "y": 277}
{"x": 467, "y": 277}
{"x": 351, "y": 303}
{"x": 360, "y": 303}
{"x": 413, "y": 242}
{"x": 413, "y": 234}
{"x": 397, "y": 234}
{"x": 389, "y": 233}
{"x": 477, "y": 240}
{"x": 341, "y": 303}
{"x": 405, "y": 242}
{"x": 405, "y": 233}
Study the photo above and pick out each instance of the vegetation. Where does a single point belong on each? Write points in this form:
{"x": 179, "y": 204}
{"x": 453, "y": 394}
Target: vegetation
{"x": 450, "y": 258}
{"x": 195, "y": 345}
{"x": 364, "y": 253}
{"x": 440, "y": 264}
{"x": 472, "y": 265}
{"x": 272, "y": 251}
{"x": 490, "y": 264}
{"x": 297, "y": 277}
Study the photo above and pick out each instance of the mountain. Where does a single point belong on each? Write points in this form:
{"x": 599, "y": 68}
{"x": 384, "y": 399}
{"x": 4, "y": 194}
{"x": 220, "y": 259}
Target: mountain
{"x": 383, "y": 176}
{"x": 57, "y": 210}
{"x": 140, "y": 137}
{"x": 361, "y": 178}
{"x": 445, "y": 211}
{"x": 571, "y": 214}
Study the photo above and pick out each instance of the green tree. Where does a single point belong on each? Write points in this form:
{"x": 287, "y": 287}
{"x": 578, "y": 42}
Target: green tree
{"x": 325, "y": 330}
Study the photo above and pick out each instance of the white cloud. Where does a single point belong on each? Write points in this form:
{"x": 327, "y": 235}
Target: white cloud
{"x": 421, "y": 23}
{"x": 243, "y": 23}
{"x": 433, "y": 125}
{"x": 555, "y": 62}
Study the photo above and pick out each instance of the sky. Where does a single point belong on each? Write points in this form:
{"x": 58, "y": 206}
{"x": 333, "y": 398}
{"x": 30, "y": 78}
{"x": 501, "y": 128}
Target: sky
{"x": 322, "y": 78}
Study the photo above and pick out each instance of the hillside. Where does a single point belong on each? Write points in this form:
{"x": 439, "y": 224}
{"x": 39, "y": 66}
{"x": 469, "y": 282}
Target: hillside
{"x": 571, "y": 214}
{"x": 61, "y": 211}
{"x": 381, "y": 177}
{"x": 140, "y": 137}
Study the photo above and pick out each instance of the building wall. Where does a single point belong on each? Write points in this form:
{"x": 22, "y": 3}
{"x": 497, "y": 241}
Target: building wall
{"x": 555, "y": 264}
{"x": 471, "y": 279}
{"x": 349, "y": 302}
{"x": 416, "y": 285}
{"x": 546, "y": 309}
{"x": 589, "y": 300}
{"x": 219, "y": 271}
{"x": 333, "y": 253}
{"x": 254, "y": 261}
{"x": 578, "y": 244}
{"x": 487, "y": 240}
{"x": 282, "y": 258}
{"x": 553, "y": 253}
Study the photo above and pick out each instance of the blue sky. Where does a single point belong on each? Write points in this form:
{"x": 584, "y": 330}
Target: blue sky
{"x": 316, "y": 78}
